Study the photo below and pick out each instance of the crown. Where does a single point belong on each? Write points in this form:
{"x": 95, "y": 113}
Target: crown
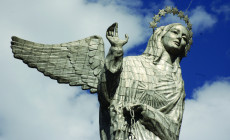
{"x": 180, "y": 14}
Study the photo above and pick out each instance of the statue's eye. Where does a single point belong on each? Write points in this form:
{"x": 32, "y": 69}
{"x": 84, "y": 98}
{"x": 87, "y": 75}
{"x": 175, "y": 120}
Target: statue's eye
{"x": 185, "y": 39}
{"x": 175, "y": 32}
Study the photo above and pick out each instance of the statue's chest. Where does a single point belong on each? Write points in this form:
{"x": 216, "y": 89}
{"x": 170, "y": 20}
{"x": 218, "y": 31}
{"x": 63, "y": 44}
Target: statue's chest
{"x": 144, "y": 82}
{"x": 141, "y": 72}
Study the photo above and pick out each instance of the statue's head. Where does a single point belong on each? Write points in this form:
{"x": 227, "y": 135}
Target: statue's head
{"x": 172, "y": 38}
{"x": 175, "y": 39}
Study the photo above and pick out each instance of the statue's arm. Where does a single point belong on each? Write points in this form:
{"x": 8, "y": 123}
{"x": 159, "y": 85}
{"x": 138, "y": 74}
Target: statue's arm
{"x": 113, "y": 65}
{"x": 115, "y": 56}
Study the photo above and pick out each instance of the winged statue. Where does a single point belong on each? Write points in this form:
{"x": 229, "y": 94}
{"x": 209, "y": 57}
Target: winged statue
{"x": 141, "y": 97}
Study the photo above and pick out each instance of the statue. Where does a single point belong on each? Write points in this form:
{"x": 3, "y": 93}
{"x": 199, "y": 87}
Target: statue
{"x": 141, "y": 97}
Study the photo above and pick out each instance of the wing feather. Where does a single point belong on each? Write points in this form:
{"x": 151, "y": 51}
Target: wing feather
{"x": 77, "y": 63}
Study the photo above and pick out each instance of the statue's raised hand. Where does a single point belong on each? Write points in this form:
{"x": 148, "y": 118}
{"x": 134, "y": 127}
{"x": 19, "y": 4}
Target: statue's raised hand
{"x": 115, "y": 54}
{"x": 112, "y": 36}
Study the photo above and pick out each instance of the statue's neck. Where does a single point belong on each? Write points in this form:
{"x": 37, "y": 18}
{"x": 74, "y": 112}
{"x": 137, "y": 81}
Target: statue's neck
{"x": 170, "y": 59}
{"x": 168, "y": 62}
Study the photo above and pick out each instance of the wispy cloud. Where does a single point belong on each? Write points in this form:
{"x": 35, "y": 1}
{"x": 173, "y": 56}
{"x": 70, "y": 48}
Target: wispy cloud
{"x": 201, "y": 19}
{"x": 223, "y": 9}
{"x": 40, "y": 108}
{"x": 126, "y": 3}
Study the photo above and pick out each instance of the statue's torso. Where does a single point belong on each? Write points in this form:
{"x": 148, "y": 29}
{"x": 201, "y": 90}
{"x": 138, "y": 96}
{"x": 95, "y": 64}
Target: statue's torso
{"x": 142, "y": 82}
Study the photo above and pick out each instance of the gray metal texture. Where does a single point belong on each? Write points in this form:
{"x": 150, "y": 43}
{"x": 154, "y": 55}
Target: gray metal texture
{"x": 141, "y": 97}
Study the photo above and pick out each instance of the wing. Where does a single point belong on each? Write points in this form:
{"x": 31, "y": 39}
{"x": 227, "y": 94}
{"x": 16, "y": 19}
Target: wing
{"x": 77, "y": 63}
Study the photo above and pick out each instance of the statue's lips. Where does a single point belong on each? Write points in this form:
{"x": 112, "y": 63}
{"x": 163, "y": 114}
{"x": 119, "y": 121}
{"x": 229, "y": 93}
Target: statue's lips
{"x": 177, "y": 43}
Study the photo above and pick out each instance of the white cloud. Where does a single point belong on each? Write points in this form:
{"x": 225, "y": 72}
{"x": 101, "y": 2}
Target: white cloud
{"x": 206, "y": 117}
{"x": 63, "y": 21}
{"x": 169, "y": 3}
{"x": 127, "y": 3}
{"x": 201, "y": 19}
{"x": 33, "y": 106}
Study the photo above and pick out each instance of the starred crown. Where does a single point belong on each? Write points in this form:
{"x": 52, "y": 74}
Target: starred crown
{"x": 180, "y": 14}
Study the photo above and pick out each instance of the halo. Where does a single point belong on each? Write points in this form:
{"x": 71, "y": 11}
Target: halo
{"x": 180, "y": 14}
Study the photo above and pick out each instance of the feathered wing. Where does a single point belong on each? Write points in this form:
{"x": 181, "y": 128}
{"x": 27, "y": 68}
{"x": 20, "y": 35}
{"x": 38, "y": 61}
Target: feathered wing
{"x": 77, "y": 63}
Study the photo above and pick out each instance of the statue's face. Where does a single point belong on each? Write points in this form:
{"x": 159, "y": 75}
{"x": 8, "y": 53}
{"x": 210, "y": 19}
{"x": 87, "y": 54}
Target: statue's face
{"x": 175, "y": 39}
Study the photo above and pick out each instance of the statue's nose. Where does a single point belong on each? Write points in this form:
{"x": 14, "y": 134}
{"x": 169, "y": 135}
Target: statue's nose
{"x": 179, "y": 37}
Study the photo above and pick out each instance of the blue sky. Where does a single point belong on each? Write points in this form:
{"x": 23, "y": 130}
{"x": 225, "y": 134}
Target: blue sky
{"x": 36, "y": 107}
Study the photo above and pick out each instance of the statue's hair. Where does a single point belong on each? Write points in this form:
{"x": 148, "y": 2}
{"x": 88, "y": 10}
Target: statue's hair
{"x": 155, "y": 47}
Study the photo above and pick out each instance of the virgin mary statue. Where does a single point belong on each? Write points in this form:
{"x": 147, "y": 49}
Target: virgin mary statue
{"x": 143, "y": 96}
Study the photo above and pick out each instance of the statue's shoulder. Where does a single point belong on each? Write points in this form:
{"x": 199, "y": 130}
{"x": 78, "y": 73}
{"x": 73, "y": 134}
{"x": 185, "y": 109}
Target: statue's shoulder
{"x": 133, "y": 61}
{"x": 133, "y": 58}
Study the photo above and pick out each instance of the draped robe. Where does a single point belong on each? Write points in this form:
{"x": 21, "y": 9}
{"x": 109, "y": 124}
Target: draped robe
{"x": 159, "y": 87}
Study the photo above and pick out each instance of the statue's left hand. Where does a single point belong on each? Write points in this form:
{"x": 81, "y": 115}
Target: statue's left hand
{"x": 140, "y": 109}
{"x": 112, "y": 36}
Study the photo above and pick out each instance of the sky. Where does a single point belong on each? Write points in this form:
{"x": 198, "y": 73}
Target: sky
{"x": 35, "y": 107}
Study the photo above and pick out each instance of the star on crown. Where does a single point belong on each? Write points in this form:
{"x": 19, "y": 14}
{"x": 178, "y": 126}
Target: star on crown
{"x": 156, "y": 18}
{"x": 180, "y": 14}
{"x": 162, "y": 12}
{"x": 174, "y": 11}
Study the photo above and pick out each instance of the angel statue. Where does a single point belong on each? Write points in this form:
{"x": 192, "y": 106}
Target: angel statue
{"x": 141, "y": 97}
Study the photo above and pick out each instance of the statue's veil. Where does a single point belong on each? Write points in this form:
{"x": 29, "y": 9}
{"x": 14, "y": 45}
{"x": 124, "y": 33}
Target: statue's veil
{"x": 155, "y": 47}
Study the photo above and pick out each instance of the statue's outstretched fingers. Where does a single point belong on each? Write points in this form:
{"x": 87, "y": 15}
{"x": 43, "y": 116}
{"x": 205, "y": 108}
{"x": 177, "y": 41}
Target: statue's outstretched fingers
{"x": 110, "y": 30}
{"x": 112, "y": 27}
{"x": 110, "y": 33}
{"x": 107, "y": 35}
{"x": 126, "y": 37}
{"x": 116, "y": 29}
